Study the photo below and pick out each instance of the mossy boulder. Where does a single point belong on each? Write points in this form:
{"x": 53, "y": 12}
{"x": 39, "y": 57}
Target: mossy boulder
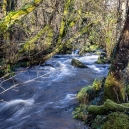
{"x": 103, "y": 60}
{"x": 78, "y": 64}
{"x": 80, "y": 112}
{"x": 89, "y": 48}
{"x": 98, "y": 122}
{"x": 83, "y": 95}
{"x": 117, "y": 120}
{"x": 91, "y": 94}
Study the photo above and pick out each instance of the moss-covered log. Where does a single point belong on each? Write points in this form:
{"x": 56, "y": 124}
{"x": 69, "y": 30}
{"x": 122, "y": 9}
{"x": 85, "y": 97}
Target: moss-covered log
{"x": 108, "y": 107}
{"x": 12, "y": 17}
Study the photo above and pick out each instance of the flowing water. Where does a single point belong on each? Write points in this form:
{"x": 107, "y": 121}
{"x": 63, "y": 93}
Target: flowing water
{"x": 43, "y": 97}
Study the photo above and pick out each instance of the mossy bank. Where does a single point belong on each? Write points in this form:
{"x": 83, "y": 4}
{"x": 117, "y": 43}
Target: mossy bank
{"x": 99, "y": 113}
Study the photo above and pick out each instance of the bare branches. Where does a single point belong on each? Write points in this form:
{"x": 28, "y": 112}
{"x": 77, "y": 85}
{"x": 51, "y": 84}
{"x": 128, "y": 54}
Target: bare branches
{"x": 15, "y": 85}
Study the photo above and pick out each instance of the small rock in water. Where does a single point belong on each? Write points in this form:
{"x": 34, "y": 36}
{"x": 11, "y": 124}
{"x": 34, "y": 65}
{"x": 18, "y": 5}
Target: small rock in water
{"x": 78, "y": 64}
{"x": 45, "y": 64}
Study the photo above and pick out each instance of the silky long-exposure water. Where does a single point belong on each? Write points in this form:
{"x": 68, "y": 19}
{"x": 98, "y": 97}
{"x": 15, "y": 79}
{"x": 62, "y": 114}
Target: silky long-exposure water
{"x": 43, "y": 97}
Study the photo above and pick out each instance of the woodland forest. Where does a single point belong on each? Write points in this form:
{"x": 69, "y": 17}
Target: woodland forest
{"x": 33, "y": 32}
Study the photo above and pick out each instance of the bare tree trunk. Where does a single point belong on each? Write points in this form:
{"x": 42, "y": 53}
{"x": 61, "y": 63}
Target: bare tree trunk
{"x": 121, "y": 13}
{"x": 114, "y": 84}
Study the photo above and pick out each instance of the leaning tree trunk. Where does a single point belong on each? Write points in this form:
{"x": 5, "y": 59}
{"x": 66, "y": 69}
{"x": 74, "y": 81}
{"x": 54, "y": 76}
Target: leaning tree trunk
{"x": 114, "y": 84}
{"x": 14, "y": 16}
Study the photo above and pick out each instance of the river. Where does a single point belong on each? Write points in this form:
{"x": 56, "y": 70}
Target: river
{"x": 44, "y": 96}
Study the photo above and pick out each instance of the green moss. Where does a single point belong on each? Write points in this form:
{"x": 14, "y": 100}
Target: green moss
{"x": 80, "y": 112}
{"x": 97, "y": 84}
{"x": 62, "y": 28}
{"x": 88, "y": 95}
{"x": 83, "y": 95}
{"x": 107, "y": 107}
{"x": 114, "y": 89}
{"x": 97, "y": 110}
{"x": 117, "y": 120}
{"x": 30, "y": 45}
{"x": 12, "y": 17}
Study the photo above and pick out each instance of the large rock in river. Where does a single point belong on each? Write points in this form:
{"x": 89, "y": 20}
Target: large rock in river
{"x": 78, "y": 64}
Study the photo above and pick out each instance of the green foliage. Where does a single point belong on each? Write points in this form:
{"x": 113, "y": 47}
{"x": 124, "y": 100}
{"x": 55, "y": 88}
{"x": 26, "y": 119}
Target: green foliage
{"x": 94, "y": 36}
{"x": 97, "y": 84}
{"x": 8, "y": 70}
{"x": 89, "y": 48}
{"x": 93, "y": 48}
{"x": 102, "y": 60}
{"x": 80, "y": 112}
{"x": 117, "y": 120}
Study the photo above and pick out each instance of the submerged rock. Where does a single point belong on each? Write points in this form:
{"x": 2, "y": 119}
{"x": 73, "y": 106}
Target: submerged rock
{"x": 45, "y": 64}
{"x": 78, "y": 64}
